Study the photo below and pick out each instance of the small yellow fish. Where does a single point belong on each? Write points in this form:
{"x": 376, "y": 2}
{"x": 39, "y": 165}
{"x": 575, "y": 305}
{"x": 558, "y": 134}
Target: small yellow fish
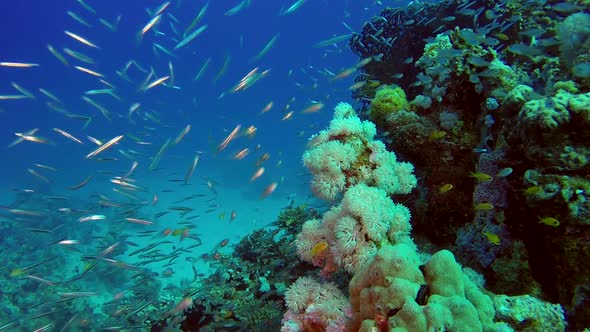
{"x": 493, "y": 238}
{"x": 481, "y": 177}
{"x": 221, "y": 216}
{"x": 549, "y": 221}
{"x": 445, "y": 188}
{"x": 532, "y": 190}
{"x": 178, "y": 231}
{"x": 436, "y": 135}
{"x": 17, "y": 272}
{"x": 483, "y": 206}
{"x": 501, "y": 36}
{"x": 319, "y": 248}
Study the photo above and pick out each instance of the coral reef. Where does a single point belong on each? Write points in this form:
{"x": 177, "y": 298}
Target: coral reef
{"x": 500, "y": 91}
{"x": 393, "y": 287}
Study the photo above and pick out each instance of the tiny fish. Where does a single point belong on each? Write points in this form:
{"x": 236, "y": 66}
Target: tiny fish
{"x": 89, "y": 71}
{"x": 183, "y": 133}
{"x": 241, "y": 154}
{"x": 139, "y": 221}
{"x": 257, "y": 174}
{"x": 483, "y": 206}
{"x": 492, "y": 238}
{"x": 81, "y": 184}
{"x": 313, "y": 108}
{"x": 92, "y": 218}
{"x": 23, "y": 90}
{"x": 533, "y": 190}
{"x": 18, "y": 64}
{"x": 190, "y": 37}
{"x": 105, "y": 146}
{"x": 156, "y": 83}
{"x": 549, "y": 221}
{"x": 293, "y": 7}
{"x": 153, "y": 22}
{"x": 269, "y": 190}
{"x": 67, "y": 135}
{"x": 504, "y": 172}
{"x": 445, "y": 188}
{"x": 481, "y": 177}
{"x": 436, "y": 135}
{"x": 229, "y": 138}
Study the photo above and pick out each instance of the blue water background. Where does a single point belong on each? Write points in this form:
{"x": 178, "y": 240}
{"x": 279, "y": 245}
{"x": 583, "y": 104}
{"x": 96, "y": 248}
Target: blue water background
{"x": 299, "y": 75}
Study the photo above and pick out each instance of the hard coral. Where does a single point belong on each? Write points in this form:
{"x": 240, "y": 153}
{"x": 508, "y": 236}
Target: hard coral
{"x": 393, "y": 285}
{"x": 554, "y": 131}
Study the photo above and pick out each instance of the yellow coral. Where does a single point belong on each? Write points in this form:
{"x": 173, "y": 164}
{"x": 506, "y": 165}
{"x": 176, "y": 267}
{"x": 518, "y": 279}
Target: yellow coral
{"x": 388, "y": 99}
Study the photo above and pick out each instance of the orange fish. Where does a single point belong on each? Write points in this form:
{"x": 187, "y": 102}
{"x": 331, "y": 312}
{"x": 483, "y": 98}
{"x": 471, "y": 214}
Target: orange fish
{"x": 183, "y": 305}
{"x": 262, "y": 159}
{"x": 345, "y": 73}
{"x": 267, "y": 107}
{"x": 184, "y": 234}
{"x": 251, "y": 131}
{"x": 229, "y": 138}
{"x": 313, "y": 108}
{"x": 257, "y": 174}
{"x": 269, "y": 190}
{"x": 319, "y": 248}
{"x": 241, "y": 154}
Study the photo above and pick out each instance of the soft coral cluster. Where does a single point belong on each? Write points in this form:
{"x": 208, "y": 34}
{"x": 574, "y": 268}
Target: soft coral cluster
{"x": 346, "y": 154}
{"x": 354, "y": 230}
{"x": 315, "y": 307}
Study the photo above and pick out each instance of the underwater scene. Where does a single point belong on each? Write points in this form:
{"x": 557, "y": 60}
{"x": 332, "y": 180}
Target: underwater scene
{"x": 295, "y": 165}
